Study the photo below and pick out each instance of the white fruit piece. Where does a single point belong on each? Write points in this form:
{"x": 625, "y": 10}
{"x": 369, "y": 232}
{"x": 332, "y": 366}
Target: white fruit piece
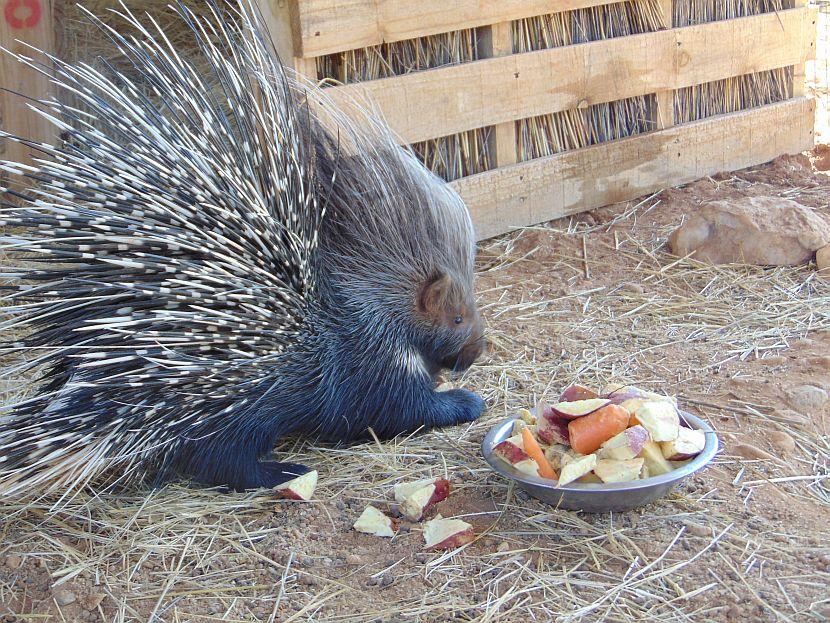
{"x": 577, "y": 468}
{"x": 418, "y": 503}
{"x": 527, "y": 466}
{"x": 656, "y": 462}
{"x": 610, "y": 470}
{"x": 442, "y": 533}
{"x": 625, "y": 445}
{"x": 374, "y": 522}
{"x": 527, "y": 417}
{"x": 299, "y": 488}
{"x": 689, "y": 443}
{"x": 660, "y": 419}
{"x": 404, "y": 489}
{"x": 578, "y": 408}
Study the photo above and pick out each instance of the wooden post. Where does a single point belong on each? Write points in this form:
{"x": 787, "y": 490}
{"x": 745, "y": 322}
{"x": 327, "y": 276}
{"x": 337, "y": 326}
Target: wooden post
{"x": 665, "y": 99}
{"x": 23, "y": 22}
{"x": 800, "y": 70}
{"x": 500, "y": 43}
{"x": 279, "y": 17}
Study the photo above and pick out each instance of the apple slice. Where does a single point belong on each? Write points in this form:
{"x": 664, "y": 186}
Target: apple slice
{"x": 688, "y": 444}
{"x": 552, "y": 429}
{"x": 440, "y": 533}
{"x": 511, "y": 451}
{"x": 299, "y": 488}
{"x": 577, "y": 392}
{"x": 419, "y": 502}
{"x": 404, "y": 489}
{"x": 376, "y": 523}
{"x": 655, "y": 461}
{"x": 577, "y": 468}
{"x": 660, "y": 419}
{"x": 610, "y": 470}
{"x": 578, "y": 408}
{"x": 625, "y": 445}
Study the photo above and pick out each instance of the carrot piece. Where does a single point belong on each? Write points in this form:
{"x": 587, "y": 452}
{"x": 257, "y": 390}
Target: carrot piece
{"x": 535, "y": 452}
{"x": 590, "y": 431}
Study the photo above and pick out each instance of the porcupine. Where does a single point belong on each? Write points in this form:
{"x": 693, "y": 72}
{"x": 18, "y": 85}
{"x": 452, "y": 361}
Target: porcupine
{"x": 211, "y": 269}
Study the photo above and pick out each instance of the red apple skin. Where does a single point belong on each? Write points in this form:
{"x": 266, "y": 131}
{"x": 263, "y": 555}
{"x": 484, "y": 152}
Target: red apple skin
{"x": 552, "y": 429}
{"x": 577, "y": 392}
{"x": 442, "y": 492}
{"x": 621, "y": 395}
{"x": 456, "y": 540}
{"x": 507, "y": 450}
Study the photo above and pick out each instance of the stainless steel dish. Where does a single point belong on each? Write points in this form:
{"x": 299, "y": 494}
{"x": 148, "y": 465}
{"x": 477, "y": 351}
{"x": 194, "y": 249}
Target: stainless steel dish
{"x": 600, "y": 498}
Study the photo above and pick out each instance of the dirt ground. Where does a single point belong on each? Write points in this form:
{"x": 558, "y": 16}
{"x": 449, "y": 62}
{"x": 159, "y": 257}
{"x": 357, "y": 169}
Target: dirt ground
{"x": 591, "y": 299}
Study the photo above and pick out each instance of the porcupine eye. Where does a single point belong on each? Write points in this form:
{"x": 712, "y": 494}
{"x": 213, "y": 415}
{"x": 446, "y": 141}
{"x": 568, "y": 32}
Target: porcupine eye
{"x": 458, "y": 319}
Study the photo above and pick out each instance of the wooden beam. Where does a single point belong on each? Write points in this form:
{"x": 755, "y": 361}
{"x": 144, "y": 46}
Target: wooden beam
{"x": 24, "y": 22}
{"x": 325, "y": 27}
{"x": 548, "y": 188}
{"x": 443, "y": 101}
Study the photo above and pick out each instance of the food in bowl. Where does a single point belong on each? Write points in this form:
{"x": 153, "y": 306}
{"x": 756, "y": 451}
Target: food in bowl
{"x": 621, "y": 434}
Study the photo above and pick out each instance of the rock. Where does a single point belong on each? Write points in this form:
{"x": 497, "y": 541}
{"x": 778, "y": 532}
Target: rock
{"x": 807, "y": 399}
{"x": 747, "y": 451}
{"x": 504, "y": 546}
{"x": 734, "y": 613}
{"x": 14, "y": 562}
{"x": 793, "y": 418}
{"x": 93, "y": 600}
{"x": 353, "y": 559}
{"x": 768, "y": 231}
{"x": 820, "y": 363}
{"x": 64, "y": 597}
{"x": 697, "y": 529}
{"x": 777, "y": 360}
{"x": 632, "y": 288}
{"x": 823, "y": 260}
{"x": 783, "y": 443}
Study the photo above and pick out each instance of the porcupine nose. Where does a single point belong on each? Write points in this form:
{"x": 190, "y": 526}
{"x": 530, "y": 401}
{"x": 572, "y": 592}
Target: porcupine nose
{"x": 472, "y": 350}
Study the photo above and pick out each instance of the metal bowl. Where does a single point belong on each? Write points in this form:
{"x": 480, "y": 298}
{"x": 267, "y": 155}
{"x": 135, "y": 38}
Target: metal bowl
{"x": 600, "y": 498}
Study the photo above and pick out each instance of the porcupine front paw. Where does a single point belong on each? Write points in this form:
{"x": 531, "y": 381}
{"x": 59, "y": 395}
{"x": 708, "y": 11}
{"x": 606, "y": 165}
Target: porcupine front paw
{"x": 458, "y": 406}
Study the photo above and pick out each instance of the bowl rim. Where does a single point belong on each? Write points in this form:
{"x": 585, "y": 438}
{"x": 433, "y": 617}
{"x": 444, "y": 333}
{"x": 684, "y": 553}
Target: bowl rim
{"x": 701, "y": 460}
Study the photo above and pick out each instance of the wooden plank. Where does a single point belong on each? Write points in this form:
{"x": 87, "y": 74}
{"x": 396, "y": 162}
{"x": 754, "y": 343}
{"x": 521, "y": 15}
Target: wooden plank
{"x": 447, "y": 100}
{"x": 325, "y": 27}
{"x": 23, "y": 22}
{"x": 555, "y": 186}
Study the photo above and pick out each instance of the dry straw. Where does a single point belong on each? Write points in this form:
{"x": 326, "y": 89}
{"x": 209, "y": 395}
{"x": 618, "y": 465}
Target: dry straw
{"x": 572, "y": 129}
{"x": 449, "y": 157}
{"x": 689, "y": 12}
{"x": 733, "y": 94}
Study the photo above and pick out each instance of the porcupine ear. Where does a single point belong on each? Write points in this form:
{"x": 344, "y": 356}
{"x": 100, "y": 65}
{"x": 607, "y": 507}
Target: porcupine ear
{"x": 434, "y": 295}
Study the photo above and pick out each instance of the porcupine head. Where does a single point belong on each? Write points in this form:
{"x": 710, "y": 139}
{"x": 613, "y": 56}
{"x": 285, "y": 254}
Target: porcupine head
{"x": 217, "y": 257}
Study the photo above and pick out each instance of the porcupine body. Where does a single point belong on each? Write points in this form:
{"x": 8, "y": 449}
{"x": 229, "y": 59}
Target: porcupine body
{"x": 209, "y": 269}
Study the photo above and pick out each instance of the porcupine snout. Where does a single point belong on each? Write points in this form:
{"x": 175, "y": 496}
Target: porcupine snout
{"x": 468, "y": 354}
